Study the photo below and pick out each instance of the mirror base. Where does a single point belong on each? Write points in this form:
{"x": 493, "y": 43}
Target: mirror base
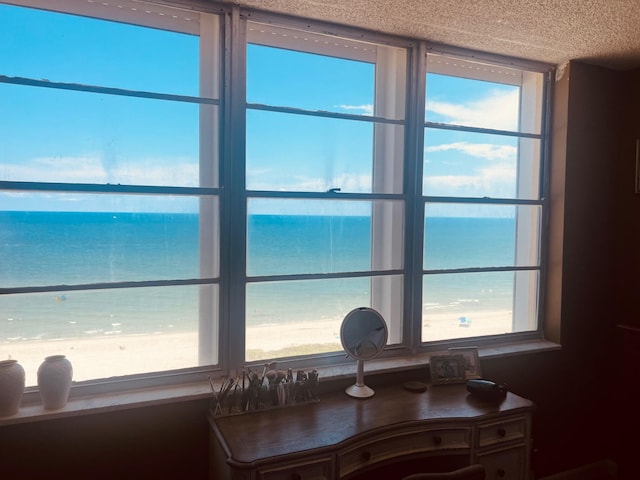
{"x": 359, "y": 391}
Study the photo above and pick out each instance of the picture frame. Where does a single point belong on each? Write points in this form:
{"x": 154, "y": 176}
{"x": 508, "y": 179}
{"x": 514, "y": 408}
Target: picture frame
{"x": 447, "y": 369}
{"x": 472, "y": 366}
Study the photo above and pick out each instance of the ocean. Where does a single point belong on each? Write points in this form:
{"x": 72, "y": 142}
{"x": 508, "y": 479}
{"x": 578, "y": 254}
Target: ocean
{"x": 43, "y": 248}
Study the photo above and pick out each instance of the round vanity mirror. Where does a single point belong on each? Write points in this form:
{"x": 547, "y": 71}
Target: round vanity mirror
{"x": 363, "y": 335}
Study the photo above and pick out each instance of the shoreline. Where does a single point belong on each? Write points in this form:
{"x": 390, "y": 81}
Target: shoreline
{"x": 119, "y": 355}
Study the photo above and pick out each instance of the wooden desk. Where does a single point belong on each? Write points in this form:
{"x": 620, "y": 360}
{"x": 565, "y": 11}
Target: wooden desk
{"x": 395, "y": 432}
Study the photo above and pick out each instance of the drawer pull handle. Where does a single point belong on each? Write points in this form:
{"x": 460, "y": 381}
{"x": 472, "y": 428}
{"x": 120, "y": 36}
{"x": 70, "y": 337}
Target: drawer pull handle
{"x": 366, "y": 455}
{"x": 502, "y": 432}
{"x": 500, "y": 473}
{"x": 437, "y": 440}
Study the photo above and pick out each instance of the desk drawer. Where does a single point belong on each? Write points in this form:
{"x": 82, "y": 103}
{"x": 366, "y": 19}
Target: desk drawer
{"x": 396, "y": 446}
{"x": 319, "y": 469}
{"x": 502, "y": 432}
{"x": 509, "y": 464}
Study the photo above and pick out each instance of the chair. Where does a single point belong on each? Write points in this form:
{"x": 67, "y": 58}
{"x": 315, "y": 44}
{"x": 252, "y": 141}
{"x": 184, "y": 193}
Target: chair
{"x": 472, "y": 472}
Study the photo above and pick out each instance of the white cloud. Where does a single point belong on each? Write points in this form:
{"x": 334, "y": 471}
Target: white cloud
{"x": 179, "y": 171}
{"x": 80, "y": 169}
{"x": 499, "y": 110}
{"x": 493, "y": 181}
{"x": 363, "y": 109}
{"x": 487, "y": 151}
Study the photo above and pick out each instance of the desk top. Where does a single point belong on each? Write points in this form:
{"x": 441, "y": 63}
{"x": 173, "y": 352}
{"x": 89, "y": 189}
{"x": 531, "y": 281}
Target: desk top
{"x": 336, "y": 418}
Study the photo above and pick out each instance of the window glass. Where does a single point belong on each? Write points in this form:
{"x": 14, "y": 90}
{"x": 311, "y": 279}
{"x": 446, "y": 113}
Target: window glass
{"x": 472, "y": 103}
{"x": 471, "y": 93}
{"x": 303, "y": 153}
{"x": 104, "y": 333}
{"x": 464, "y": 305}
{"x": 471, "y": 236}
{"x": 304, "y": 317}
{"x": 467, "y": 164}
{"x": 80, "y": 246}
{"x": 75, "y": 49}
{"x": 311, "y": 236}
{"x": 288, "y": 78}
{"x": 85, "y": 137}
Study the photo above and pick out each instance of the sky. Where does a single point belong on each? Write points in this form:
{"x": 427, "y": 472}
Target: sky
{"x": 65, "y": 136}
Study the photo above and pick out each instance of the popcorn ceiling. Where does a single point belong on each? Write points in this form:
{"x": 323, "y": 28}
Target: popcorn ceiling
{"x": 602, "y": 32}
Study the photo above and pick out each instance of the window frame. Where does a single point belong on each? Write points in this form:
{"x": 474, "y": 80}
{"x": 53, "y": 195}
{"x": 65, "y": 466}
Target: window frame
{"x": 233, "y": 196}
{"x": 210, "y": 95}
{"x": 501, "y": 67}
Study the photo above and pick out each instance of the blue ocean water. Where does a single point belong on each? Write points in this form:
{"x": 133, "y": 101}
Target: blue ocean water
{"x": 43, "y": 248}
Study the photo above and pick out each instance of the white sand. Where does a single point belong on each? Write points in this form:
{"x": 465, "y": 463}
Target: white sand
{"x": 103, "y": 357}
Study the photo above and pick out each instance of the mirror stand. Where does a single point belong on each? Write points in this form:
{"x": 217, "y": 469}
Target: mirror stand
{"x": 363, "y": 335}
{"x": 359, "y": 389}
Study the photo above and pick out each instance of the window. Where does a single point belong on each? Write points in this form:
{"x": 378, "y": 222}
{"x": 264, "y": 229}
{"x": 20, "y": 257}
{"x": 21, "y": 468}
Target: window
{"x": 325, "y": 130}
{"x": 184, "y": 193}
{"x": 483, "y": 204}
{"x": 110, "y": 200}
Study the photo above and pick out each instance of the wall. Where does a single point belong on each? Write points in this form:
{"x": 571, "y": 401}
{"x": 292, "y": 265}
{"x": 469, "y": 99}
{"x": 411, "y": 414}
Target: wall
{"x": 626, "y": 283}
{"x": 573, "y": 421}
{"x": 168, "y": 441}
{"x": 627, "y": 280}
{"x": 574, "y": 388}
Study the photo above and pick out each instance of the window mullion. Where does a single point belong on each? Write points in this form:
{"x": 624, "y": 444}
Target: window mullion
{"x": 388, "y": 160}
{"x": 209, "y": 235}
{"x": 234, "y": 172}
{"x": 414, "y": 230}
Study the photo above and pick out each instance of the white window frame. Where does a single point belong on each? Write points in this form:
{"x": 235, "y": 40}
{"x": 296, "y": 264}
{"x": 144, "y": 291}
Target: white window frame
{"x": 207, "y": 27}
{"x": 530, "y": 172}
{"x": 387, "y": 295}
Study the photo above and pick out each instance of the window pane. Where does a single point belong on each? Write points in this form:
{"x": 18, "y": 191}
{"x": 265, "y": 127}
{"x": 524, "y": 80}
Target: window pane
{"x": 65, "y": 136}
{"x": 304, "y": 317}
{"x": 472, "y": 103}
{"x": 75, "y": 49}
{"x": 322, "y": 236}
{"x": 103, "y": 333}
{"x": 474, "y": 304}
{"x": 467, "y": 236}
{"x": 301, "y": 153}
{"x": 102, "y": 238}
{"x": 464, "y": 164}
{"x": 281, "y": 77}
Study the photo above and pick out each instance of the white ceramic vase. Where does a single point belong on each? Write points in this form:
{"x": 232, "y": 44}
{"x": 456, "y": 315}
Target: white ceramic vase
{"x": 11, "y": 387}
{"x": 54, "y": 381}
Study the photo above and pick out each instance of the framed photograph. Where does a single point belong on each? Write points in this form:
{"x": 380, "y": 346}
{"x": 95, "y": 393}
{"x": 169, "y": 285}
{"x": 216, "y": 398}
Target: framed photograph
{"x": 447, "y": 369}
{"x": 471, "y": 361}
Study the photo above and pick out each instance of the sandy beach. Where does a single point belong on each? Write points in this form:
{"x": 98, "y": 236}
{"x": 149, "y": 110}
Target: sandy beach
{"x": 118, "y": 355}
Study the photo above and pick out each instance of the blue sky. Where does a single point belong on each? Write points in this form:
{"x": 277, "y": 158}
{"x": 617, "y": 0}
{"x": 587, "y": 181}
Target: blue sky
{"x": 53, "y": 135}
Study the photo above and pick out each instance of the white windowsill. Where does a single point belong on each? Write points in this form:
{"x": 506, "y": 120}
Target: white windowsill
{"x": 101, "y": 403}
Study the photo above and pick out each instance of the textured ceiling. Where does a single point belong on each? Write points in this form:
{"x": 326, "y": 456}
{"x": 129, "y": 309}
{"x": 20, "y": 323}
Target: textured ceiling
{"x": 602, "y": 32}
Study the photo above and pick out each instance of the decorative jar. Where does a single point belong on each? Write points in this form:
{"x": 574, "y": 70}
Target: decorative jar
{"x": 11, "y": 387}
{"x": 54, "y": 381}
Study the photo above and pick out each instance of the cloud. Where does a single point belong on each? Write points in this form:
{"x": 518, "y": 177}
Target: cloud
{"x": 174, "y": 171}
{"x": 487, "y": 151}
{"x": 499, "y": 110}
{"x": 493, "y": 181}
{"x": 363, "y": 109}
